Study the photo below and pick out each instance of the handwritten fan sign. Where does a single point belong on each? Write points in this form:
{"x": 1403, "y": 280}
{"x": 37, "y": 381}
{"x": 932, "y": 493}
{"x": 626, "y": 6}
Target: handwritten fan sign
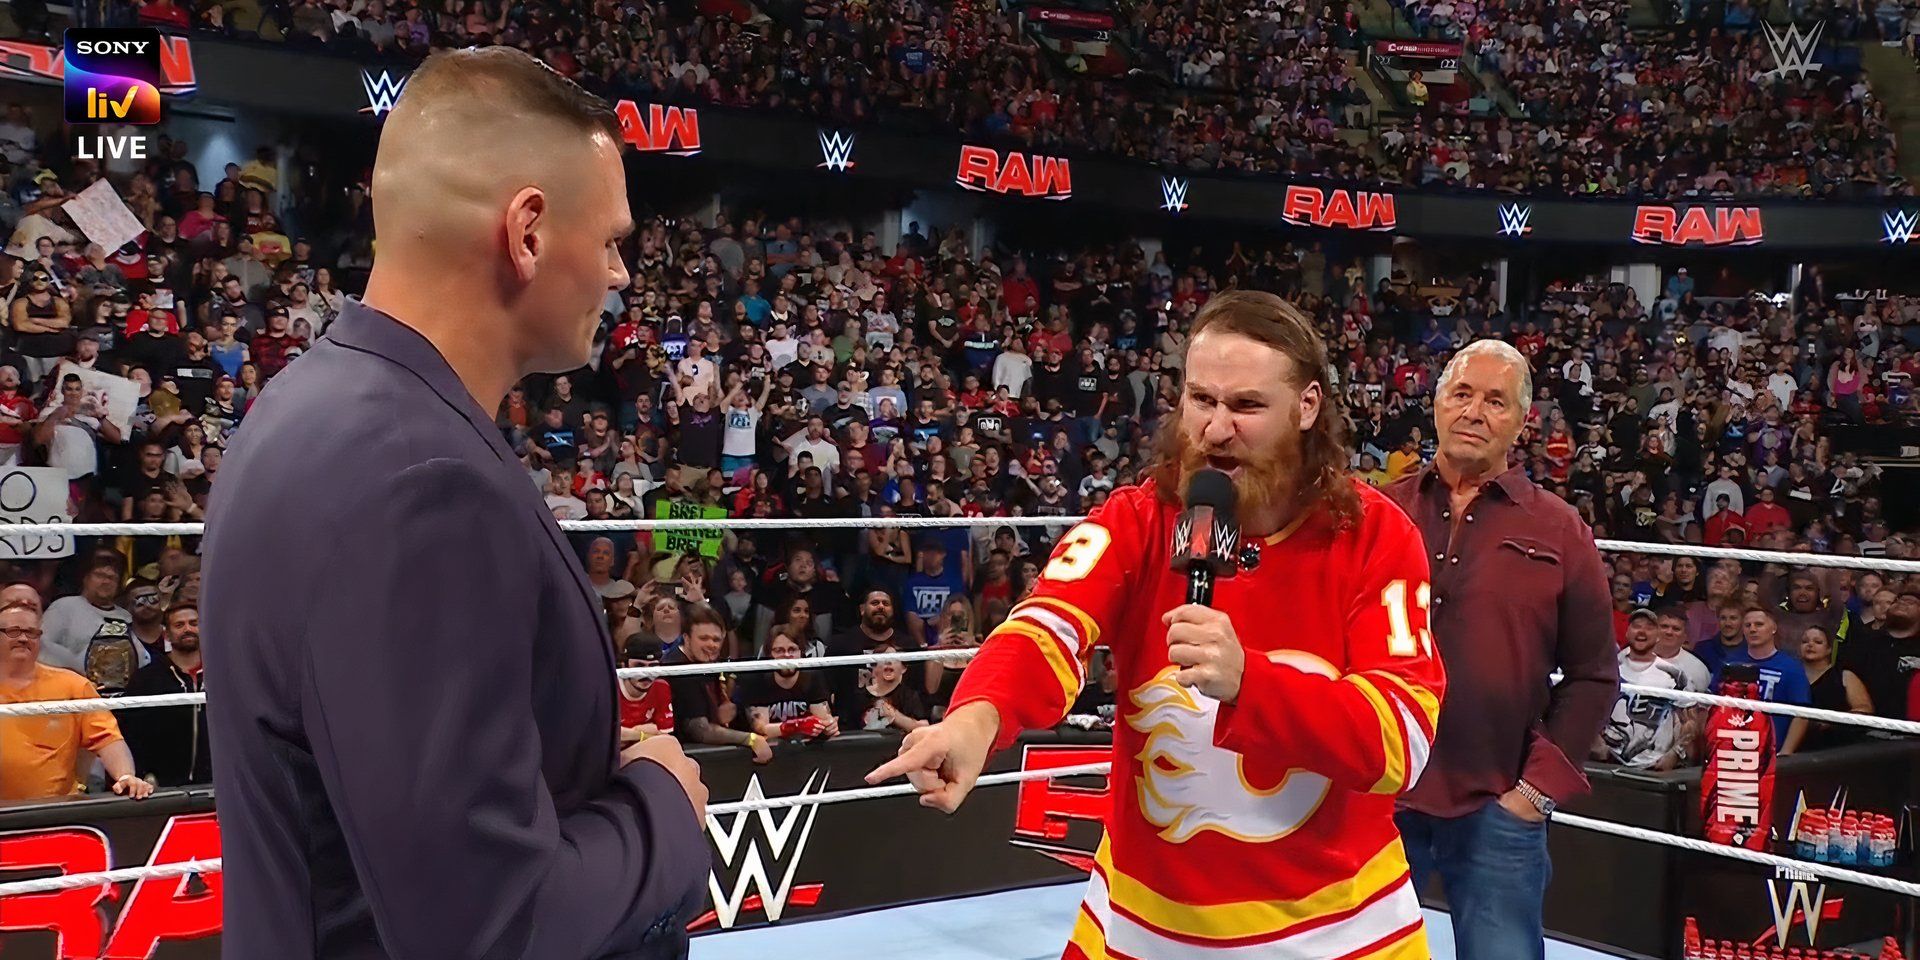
{"x": 34, "y": 495}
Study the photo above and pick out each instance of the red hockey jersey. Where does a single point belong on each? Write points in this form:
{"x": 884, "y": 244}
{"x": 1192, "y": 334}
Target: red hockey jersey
{"x": 1257, "y": 829}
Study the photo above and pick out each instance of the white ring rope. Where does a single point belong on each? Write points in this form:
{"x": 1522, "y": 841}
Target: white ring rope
{"x": 49, "y": 708}
{"x": 1828, "y": 871}
{"x": 1787, "y": 557}
{"x": 1841, "y": 717}
{"x": 77, "y": 881}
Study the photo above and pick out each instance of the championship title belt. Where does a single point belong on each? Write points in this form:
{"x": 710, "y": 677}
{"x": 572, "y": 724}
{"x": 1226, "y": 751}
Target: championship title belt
{"x": 111, "y": 659}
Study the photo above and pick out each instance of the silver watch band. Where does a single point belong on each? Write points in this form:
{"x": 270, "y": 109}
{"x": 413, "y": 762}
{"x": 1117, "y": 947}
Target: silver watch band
{"x": 1540, "y": 801}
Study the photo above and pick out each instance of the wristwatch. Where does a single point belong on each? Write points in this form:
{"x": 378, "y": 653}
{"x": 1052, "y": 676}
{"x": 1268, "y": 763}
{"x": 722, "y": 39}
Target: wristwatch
{"x": 1540, "y": 801}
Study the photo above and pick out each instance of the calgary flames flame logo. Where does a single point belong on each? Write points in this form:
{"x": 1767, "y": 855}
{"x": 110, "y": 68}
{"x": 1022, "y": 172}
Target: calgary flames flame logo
{"x": 1188, "y": 785}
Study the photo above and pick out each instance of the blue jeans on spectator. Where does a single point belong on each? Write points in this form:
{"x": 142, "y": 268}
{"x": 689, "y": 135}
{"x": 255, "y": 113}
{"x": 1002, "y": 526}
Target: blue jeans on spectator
{"x": 1495, "y": 870}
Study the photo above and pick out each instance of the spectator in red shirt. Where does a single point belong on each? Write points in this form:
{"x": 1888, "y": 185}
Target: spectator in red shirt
{"x": 16, "y": 413}
{"x": 1724, "y": 520}
{"x": 199, "y": 221}
{"x": 1766, "y": 516}
{"x": 270, "y": 350}
{"x": 1018, "y": 291}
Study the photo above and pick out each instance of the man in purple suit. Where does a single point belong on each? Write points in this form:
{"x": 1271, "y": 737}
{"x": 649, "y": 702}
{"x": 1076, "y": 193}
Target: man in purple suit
{"x": 411, "y": 690}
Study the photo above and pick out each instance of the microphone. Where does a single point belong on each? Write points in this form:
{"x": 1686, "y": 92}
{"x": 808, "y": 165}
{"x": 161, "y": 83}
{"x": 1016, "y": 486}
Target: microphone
{"x": 1207, "y": 538}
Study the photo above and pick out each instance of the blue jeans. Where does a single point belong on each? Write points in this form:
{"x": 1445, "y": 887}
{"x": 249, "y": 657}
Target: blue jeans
{"x": 1495, "y": 870}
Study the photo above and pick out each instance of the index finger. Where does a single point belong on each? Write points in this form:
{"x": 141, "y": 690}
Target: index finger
{"x": 911, "y": 759}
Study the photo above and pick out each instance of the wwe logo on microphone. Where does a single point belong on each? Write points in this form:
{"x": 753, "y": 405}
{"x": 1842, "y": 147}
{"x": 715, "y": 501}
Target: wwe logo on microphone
{"x": 1173, "y": 194}
{"x": 1513, "y": 219}
{"x": 383, "y": 91}
{"x": 836, "y": 151}
{"x": 1899, "y": 225}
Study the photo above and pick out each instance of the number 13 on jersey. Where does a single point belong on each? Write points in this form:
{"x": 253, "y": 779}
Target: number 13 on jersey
{"x": 1400, "y": 636}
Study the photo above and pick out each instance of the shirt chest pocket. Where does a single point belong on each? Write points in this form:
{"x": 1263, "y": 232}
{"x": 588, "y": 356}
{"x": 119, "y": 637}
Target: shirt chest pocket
{"x": 1529, "y": 568}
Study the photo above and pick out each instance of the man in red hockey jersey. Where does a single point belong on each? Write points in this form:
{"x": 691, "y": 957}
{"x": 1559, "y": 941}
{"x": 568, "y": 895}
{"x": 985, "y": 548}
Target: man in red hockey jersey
{"x": 1259, "y": 743}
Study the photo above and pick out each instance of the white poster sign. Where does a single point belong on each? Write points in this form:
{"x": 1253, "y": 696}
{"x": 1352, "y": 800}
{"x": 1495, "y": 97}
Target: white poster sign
{"x": 34, "y": 495}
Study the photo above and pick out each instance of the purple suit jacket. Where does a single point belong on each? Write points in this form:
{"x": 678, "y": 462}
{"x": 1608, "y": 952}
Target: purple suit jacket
{"x": 410, "y": 688}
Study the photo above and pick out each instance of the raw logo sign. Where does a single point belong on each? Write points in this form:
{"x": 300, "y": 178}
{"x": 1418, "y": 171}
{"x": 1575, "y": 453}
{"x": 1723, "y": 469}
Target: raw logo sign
{"x": 1048, "y": 807}
{"x": 784, "y": 835}
{"x": 674, "y": 131}
{"x": 1014, "y": 174}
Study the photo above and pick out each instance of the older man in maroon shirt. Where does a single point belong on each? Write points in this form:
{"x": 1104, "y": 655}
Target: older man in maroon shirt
{"x": 1518, "y": 592}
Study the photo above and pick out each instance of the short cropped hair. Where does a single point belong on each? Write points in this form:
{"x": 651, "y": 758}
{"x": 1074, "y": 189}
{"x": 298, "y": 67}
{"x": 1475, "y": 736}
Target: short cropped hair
{"x": 508, "y": 80}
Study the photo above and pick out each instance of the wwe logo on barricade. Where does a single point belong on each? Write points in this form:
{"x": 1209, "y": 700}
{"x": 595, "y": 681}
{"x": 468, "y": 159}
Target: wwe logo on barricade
{"x": 383, "y": 90}
{"x": 1899, "y": 225}
{"x": 1513, "y": 219}
{"x": 778, "y": 833}
{"x": 836, "y": 151}
{"x": 1805, "y": 902}
{"x": 1792, "y": 51}
{"x": 1173, "y": 194}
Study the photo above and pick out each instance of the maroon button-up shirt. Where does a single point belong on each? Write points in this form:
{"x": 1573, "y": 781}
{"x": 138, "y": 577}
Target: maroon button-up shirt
{"x": 1518, "y": 592}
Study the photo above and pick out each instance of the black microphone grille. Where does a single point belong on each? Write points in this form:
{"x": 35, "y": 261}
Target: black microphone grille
{"x": 1212, "y": 488}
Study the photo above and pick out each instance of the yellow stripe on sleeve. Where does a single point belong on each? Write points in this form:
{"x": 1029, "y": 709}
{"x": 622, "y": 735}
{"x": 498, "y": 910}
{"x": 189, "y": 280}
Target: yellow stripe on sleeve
{"x": 1064, "y": 669}
{"x": 1393, "y": 742}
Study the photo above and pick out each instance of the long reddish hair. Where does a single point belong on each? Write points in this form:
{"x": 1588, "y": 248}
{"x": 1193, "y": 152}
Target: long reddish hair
{"x": 1322, "y": 474}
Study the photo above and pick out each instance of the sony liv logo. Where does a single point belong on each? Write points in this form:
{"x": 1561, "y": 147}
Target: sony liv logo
{"x": 836, "y": 151}
{"x": 383, "y": 90}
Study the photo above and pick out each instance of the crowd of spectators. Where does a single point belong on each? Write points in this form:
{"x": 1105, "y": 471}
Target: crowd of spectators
{"x": 765, "y": 366}
{"x": 1698, "y": 110}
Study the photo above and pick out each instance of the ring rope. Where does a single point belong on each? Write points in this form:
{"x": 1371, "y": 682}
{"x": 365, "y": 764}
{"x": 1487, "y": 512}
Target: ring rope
{"x": 48, "y": 708}
{"x": 1788, "y": 557}
{"x": 1842, "y": 717}
{"x": 1826, "y": 870}
{"x": 79, "y": 881}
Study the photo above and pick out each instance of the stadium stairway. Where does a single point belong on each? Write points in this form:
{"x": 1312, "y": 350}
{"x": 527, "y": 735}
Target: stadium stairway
{"x": 1891, "y": 74}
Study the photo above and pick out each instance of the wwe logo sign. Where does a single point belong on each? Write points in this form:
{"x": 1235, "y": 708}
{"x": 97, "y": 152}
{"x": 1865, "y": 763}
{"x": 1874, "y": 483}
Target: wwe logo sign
{"x": 1792, "y": 51}
{"x": 1899, "y": 225}
{"x": 1513, "y": 219}
{"x": 1173, "y": 194}
{"x": 1805, "y": 902}
{"x": 778, "y": 834}
{"x": 383, "y": 91}
{"x": 836, "y": 151}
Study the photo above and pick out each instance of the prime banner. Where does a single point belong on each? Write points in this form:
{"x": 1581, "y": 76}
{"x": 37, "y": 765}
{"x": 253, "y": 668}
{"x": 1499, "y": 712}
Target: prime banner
{"x": 811, "y": 862}
{"x": 271, "y": 78}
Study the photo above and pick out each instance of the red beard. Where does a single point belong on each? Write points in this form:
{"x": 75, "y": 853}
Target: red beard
{"x": 1258, "y": 484}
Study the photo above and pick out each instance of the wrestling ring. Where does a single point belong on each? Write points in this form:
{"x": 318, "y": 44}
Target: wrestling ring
{"x": 1034, "y": 922}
